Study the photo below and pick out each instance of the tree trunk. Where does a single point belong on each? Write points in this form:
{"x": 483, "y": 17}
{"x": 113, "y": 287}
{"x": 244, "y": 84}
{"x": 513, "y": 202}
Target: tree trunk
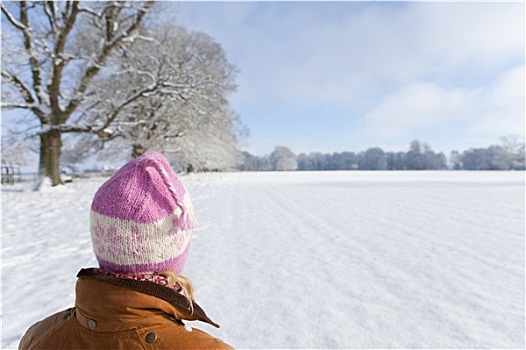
{"x": 138, "y": 150}
{"x": 50, "y": 150}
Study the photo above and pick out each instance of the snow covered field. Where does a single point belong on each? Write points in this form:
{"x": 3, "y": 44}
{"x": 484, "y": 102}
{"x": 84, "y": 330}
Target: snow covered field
{"x": 308, "y": 259}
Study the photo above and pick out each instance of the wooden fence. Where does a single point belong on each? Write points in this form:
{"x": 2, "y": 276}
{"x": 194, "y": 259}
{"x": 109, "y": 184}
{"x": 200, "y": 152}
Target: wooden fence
{"x": 11, "y": 175}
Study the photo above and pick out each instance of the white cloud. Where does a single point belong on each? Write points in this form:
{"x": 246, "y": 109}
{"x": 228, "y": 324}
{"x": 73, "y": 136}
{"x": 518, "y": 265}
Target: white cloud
{"x": 414, "y": 106}
{"x": 503, "y": 106}
{"x": 305, "y": 56}
{"x": 312, "y": 59}
{"x": 493, "y": 110}
{"x": 452, "y": 34}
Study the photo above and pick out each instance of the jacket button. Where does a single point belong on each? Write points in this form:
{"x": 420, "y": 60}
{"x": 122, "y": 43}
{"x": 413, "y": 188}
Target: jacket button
{"x": 151, "y": 337}
{"x": 92, "y": 324}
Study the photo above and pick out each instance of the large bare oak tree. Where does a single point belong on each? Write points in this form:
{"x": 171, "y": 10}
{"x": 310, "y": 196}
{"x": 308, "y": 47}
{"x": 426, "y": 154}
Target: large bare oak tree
{"x": 47, "y": 72}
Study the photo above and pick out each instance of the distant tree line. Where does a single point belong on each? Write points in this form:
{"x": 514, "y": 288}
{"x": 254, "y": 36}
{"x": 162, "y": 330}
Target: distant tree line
{"x": 420, "y": 156}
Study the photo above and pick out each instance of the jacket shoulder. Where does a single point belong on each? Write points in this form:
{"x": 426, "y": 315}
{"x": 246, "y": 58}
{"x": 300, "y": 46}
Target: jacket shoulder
{"x": 39, "y": 332}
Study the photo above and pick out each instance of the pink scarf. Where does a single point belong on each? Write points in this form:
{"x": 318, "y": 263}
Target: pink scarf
{"x": 142, "y": 276}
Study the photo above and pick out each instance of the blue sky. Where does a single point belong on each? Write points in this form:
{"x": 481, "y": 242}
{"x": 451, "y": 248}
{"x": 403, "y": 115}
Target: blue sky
{"x": 346, "y": 76}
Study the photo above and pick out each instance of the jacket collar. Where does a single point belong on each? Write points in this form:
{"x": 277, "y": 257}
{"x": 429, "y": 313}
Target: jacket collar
{"x": 179, "y": 304}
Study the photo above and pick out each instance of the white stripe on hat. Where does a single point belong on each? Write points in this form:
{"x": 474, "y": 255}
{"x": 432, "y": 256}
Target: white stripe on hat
{"x": 126, "y": 242}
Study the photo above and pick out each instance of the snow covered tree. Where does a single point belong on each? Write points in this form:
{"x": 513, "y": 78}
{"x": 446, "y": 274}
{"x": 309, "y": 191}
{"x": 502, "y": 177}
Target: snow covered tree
{"x": 195, "y": 122}
{"x": 101, "y": 71}
{"x": 395, "y": 161}
{"x": 283, "y": 159}
{"x": 349, "y": 161}
{"x": 476, "y": 159}
{"x": 373, "y": 159}
{"x": 13, "y": 151}
{"x": 508, "y": 156}
{"x": 456, "y": 160}
{"x": 52, "y": 55}
{"x": 513, "y": 148}
{"x": 250, "y": 162}
{"x": 415, "y": 159}
{"x": 422, "y": 157}
{"x": 211, "y": 147}
{"x": 441, "y": 161}
{"x": 317, "y": 161}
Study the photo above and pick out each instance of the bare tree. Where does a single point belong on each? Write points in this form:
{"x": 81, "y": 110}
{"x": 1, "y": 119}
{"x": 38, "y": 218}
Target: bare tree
{"x": 513, "y": 146}
{"x": 13, "y": 151}
{"x": 196, "y": 122}
{"x": 54, "y": 55}
{"x": 373, "y": 159}
{"x": 283, "y": 159}
{"x": 212, "y": 146}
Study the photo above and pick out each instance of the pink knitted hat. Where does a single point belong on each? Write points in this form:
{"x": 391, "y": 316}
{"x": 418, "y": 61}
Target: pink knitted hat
{"x": 142, "y": 218}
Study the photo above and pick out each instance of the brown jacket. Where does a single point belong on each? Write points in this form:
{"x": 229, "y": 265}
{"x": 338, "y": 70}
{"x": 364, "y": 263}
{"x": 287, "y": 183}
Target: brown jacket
{"x": 114, "y": 313}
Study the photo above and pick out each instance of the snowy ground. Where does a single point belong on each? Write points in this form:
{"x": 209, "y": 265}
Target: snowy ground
{"x": 309, "y": 259}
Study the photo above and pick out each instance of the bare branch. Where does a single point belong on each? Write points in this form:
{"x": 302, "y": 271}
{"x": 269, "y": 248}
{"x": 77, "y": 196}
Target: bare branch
{"x": 26, "y": 94}
{"x": 15, "y": 106}
{"x": 12, "y": 19}
{"x": 94, "y": 69}
{"x": 19, "y": 85}
{"x": 67, "y": 9}
{"x": 59, "y": 63}
{"x": 51, "y": 12}
{"x": 28, "y": 44}
{"x": 72, "y": 129}
{"x": 89, "y": 11}
{"x": 45, "y": 47}
{"x": 142, "y": 92}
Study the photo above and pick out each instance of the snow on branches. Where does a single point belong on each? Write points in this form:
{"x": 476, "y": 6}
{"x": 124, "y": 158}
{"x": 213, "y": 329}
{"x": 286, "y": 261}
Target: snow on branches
{"x": 93, "y": 68}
